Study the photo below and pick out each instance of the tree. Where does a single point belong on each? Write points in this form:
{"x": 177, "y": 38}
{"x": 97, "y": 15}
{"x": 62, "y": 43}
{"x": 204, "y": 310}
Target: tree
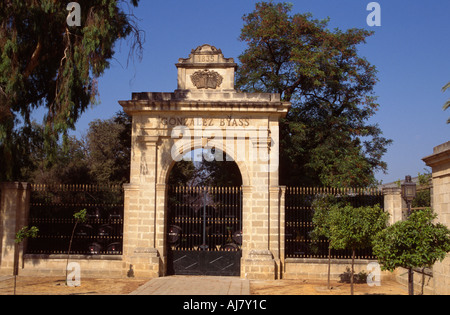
{"x": 108, "y": 149}
{"x": 67, "y": 166}
{"x": 21, "y": 235}
{"x": 80, "y": 217}
{"x": 182, "y": 173}
{"x": 219, "y": 170}
{"x": 33, "y": 164}
{"x": 45, "y": 63}
{"x": 213, "y": 170}
{"x": 414, "y": 243}
{"x": 447, "y": 104}
{"x": 325, "y": 138}
{"x": 354, "y": 228}
{"x": 20, "y": 154}
{"x": 322, "y": 223}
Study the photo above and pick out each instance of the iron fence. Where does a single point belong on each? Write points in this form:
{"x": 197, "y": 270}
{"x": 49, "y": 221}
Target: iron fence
{"x": 206, "y": 218}
{"x": 52, "y": 208}
{"x": 299, "y": 225}
{"x": 205, "y": 230}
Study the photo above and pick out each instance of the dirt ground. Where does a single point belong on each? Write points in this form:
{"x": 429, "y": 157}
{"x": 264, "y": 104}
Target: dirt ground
{"x": 56, "y": 286}
{"x": 318, "y": 287}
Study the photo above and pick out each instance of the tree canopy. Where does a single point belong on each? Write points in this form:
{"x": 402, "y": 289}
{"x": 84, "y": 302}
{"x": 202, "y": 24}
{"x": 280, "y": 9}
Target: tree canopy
{"x": 447, "y": 104}
{"x": 207, "y": 172}
{"x": 354, "y": 228}
{"x": 47, "y": 64}
{"x": 413, "y": 243}
{"x": 326, "y": 138}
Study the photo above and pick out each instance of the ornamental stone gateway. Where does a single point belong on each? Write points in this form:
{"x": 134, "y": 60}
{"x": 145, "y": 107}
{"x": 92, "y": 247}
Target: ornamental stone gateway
{"x": 204, "y": 112}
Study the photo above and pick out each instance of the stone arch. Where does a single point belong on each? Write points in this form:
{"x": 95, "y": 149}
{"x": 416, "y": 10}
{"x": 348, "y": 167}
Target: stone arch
{"x": 188, "y": 146}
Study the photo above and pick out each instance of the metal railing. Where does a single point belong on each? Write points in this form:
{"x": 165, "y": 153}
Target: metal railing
{"x": 52, "y": 208}
{"x": 299, "y": 225}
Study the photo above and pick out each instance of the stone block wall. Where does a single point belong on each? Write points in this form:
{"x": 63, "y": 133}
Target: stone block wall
{"x": 439, "y": 162}
{"x": 14, "y": 209}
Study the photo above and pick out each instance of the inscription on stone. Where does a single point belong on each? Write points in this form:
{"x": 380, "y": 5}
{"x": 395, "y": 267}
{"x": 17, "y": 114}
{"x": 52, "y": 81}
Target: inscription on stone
{"x": 205, "y": 122}
{"x": 206, "y": 58}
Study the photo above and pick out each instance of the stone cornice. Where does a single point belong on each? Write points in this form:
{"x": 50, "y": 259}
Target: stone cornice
{"x": 437, "y": 158}
{"x": 260, "y": 105}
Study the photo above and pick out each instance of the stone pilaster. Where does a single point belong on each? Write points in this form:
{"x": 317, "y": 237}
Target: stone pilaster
{"x": 14, "y": 209}
{"x": 439, "y": 162}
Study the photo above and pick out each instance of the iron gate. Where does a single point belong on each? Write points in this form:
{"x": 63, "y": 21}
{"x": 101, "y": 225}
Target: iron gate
{"x": 204, "y": 231}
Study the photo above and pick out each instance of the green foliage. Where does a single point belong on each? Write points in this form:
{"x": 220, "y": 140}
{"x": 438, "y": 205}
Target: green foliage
{"x": 423, "y": 195}
{"x": 181, "y": 173}
{"x": 102, "y": 156}
{"x": 25, "y": 233}
{"x": 325, "y": 138}
{"x": 354, "y": 228}
{"x": 347, "y": 227}
{"x": 80, "y": 216}
{"x": 423, "y": 199}
{"x": 447, "y": 104}
{"x": 46, "y": 64}
{"x": 108, "y": 146}
{"x": 320, "y": 220}
{"x": 219, "y": 171}
{"x": 208, "y": 172}
{"x": 416, "y": 242}
{"x": 20, "y": 152}
{"x": 424, "y": 179}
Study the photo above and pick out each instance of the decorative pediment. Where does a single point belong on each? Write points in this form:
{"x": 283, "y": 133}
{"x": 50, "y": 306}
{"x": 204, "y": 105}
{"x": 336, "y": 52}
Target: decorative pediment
{"x": 208, "y": 49}
{"x": 206, "y": 54}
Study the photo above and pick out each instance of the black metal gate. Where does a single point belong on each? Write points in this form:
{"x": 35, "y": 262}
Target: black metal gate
{"x": 204, "y": 231}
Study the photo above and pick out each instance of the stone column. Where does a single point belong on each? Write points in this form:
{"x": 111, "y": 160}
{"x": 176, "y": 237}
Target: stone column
{"x": 140, "y": 214}
{"x": 282, "y": 229}
{"x": 439, "y": 162}
{"x": 14, "y": 210}
{"x": 276, "y": 227}
{"x": 161, "y": 226}
{"x": 261, "y": 254}
{"x": 394, "y": 204}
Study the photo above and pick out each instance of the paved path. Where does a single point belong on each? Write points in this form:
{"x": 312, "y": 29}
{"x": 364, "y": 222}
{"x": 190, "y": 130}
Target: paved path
{"x": 190, "y": 285}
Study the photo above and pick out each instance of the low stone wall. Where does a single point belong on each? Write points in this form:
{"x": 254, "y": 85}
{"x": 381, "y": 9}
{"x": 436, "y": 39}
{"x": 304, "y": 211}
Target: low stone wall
{"x": 91, "y": 266}
{"x": 424, "y": 283}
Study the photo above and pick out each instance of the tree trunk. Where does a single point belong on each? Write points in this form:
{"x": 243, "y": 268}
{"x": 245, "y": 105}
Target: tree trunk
{"x": 70, "y": 247}
{"x": 410, "y": 281}
{"x": 353, "y": 271}
{"x": 329, "y": 267}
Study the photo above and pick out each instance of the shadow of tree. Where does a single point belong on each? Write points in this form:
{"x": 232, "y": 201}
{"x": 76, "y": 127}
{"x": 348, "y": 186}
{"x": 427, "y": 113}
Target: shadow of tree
{"x": 360, "y": 277}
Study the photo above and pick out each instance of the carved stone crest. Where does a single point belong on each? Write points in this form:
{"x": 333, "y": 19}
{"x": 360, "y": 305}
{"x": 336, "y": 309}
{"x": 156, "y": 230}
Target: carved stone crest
{"x": 206, "y": 79}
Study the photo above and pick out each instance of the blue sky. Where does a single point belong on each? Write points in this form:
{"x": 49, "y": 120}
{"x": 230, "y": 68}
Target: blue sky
{"x": 411, "y": 50}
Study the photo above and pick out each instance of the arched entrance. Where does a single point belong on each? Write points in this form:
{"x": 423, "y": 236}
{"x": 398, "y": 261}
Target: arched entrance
{"x": 204, "y": 215}
{"x": 204, "y": 230}
{"x": 204, "y": 112}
